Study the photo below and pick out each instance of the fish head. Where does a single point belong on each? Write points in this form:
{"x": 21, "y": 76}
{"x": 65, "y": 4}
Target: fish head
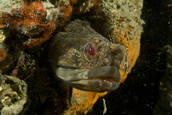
{"x": 87, "y": 60}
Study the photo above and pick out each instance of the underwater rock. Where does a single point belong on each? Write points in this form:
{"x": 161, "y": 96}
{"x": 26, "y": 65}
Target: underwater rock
{"x": 34, "y": 22}
{"x": 7, "y": 5}
{"x": 13, "y": 95}
{"x": 25, "y": 67}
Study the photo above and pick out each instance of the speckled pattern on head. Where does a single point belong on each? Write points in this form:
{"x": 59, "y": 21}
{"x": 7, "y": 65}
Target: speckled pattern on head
{"x": 73, "y": 62}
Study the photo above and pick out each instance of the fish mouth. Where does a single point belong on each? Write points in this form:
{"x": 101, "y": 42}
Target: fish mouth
{"x": 99, "y": 79}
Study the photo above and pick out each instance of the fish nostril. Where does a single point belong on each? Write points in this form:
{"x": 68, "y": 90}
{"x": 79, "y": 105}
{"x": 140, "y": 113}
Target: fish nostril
{"x": 118, "y": 53}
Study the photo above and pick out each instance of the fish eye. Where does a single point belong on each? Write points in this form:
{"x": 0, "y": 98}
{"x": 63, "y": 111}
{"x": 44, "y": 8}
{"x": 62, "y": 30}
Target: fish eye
{"x": 90, "y": 49}
{"x": 90, "y": 52}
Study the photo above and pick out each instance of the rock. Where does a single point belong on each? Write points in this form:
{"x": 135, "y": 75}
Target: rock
{"x": 13, "y": 95}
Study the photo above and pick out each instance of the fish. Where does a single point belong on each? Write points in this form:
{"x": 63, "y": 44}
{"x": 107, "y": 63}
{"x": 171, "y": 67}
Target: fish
{"x": 86, "y": 60}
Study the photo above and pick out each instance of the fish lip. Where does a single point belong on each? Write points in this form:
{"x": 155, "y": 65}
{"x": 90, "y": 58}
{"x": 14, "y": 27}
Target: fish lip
{"x": 99, "y": 79}
{"x": 95, "y": 85}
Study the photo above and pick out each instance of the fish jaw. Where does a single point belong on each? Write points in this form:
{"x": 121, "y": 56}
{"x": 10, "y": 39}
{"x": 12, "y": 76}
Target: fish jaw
{"x": 99, "y": 79}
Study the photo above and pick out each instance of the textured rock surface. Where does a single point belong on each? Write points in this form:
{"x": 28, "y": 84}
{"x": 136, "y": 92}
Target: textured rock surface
{"x": 7, "y": 5}
{"x": 13, "y": 95}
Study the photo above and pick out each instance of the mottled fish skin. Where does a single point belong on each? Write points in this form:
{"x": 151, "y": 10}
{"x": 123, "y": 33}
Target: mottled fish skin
{"x": 86, "y": 60}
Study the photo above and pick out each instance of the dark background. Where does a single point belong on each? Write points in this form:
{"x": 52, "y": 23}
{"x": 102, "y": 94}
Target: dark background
{"x": 139, "y": 94}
